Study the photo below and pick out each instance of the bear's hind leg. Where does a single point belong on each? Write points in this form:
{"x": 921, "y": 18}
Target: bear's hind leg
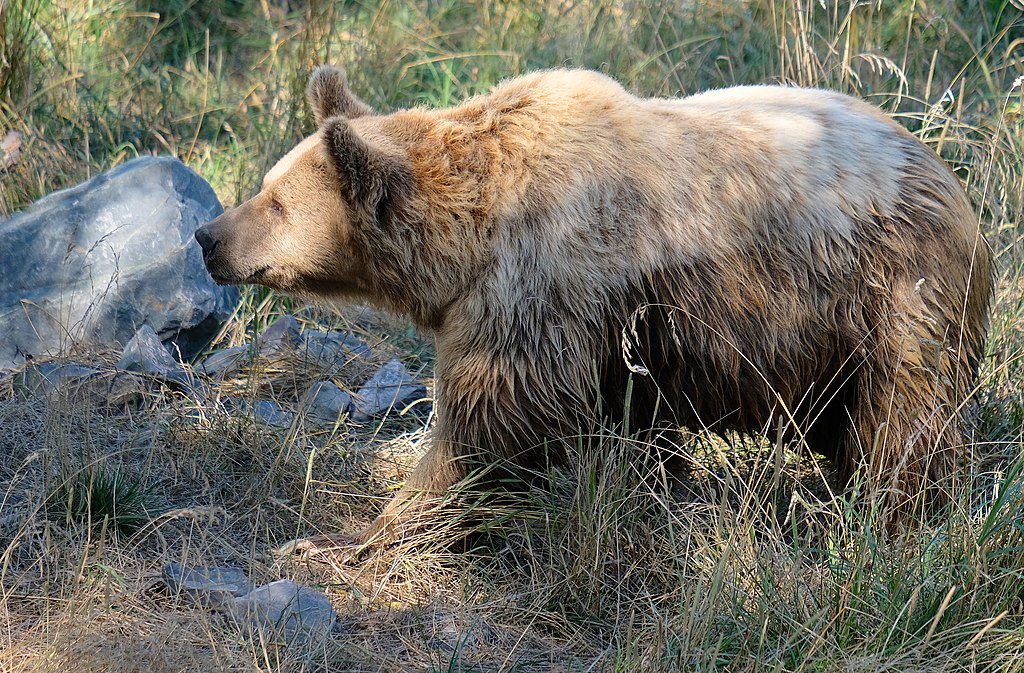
{"x": 906, "y": 426}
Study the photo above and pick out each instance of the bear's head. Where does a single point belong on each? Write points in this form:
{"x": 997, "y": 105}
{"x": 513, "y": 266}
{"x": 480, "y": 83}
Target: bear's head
{"x": 300, "y": 233}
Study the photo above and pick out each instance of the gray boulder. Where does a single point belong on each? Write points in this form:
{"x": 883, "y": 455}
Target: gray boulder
{"x": 89, "y": 265}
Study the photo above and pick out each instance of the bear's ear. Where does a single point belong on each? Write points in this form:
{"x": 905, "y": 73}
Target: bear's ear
{"x": 329, "y": 95}
{"x": 370, "y": 176}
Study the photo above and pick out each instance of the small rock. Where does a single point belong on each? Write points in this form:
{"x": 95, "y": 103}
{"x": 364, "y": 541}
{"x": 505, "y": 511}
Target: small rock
{"x": 119, "y": 389}
{"x": 184, "y": 382}
{"x": 49, "y": 377}
{"x": 283, "y": 610}
{"x": 207, "y": 586}
{"x": 285, "y": 334}
{"x": 325, "y": 402}
{"x": 355, "y": 346}
{"x": 145, "y": 353}
{"x": 332, "y": 349}
{"x": 223, "y": 362}
{"x": 271, "y": 413}
{"x": 391, "y": 387}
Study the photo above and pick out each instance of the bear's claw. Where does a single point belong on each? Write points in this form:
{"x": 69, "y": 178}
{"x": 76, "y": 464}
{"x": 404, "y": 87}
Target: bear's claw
{"x": 334, "y": 548}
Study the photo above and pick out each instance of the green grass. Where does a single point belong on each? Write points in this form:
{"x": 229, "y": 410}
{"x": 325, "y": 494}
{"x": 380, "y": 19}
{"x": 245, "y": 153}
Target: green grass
{"x": 607, "y": 566}
{"x": 105, "y": 499}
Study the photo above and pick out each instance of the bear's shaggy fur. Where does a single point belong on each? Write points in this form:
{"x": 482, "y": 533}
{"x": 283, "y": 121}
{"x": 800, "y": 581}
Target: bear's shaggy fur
{"x": 744, "y": 256}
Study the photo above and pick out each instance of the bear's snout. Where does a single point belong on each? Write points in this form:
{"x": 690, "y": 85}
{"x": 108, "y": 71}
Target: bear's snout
{"x": 233, "y": 254}
{"x": 206, "y": 241}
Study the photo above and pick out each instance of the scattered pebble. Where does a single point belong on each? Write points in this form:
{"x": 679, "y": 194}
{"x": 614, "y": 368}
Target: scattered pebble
{"x": 391, "y": 387}
{"x": 325, "y": 402}
{"x": 207, "y": 586}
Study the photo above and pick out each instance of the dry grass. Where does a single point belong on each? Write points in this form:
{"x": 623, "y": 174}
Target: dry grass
{"x": 745, "y": 565}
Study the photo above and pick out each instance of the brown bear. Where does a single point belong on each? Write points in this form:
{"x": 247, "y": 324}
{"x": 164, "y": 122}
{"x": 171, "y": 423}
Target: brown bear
{"x": 731, "y": 259}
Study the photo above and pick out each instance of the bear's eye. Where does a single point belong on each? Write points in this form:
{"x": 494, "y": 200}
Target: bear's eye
{"x": 276, "y": 206}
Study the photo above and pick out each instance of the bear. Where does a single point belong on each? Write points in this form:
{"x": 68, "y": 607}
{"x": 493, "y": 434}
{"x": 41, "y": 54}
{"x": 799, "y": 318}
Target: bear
{"x": 582, "y": 256}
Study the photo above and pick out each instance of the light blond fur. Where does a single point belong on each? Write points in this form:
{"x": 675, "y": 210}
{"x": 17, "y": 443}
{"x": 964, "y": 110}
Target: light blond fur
{"x": 743, "y": 255}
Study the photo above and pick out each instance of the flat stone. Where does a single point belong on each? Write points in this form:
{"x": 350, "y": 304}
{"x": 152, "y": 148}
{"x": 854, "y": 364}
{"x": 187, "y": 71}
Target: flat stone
{"x": 87, "y": 386}
{"x": 285, "y": 334}
{"x": 210, "y": 586}
{"x": 49, "y": 377}
{"x": 271, "y": 413}
{"x": 224, "y": 362}
{"x": 331, "y": 350}
{"x": 325, "y": 402}
{"x": 392, "y": 387}
{"x": 118, "y": 389}
{"x": 186, "y": 383}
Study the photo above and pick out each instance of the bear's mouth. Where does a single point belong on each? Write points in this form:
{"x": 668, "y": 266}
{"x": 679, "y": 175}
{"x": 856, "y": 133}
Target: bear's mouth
{"x": 257, "y": 275}
{"x": 254, "y": 277}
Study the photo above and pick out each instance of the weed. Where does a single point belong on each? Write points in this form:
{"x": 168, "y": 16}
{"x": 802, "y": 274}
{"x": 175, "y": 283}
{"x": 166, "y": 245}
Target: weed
{"x": 105, "y": 499}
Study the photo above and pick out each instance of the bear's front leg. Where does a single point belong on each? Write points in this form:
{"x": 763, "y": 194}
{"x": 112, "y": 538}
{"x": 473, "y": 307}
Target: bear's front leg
{"x": 493, "y": 409}
{"x": 408, "y": 512}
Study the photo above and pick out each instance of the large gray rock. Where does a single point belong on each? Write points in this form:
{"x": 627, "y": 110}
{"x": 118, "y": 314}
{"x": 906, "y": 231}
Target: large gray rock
{"x": 90, "y": 265}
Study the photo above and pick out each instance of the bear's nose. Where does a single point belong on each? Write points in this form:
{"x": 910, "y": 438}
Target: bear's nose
{"x": 207, "y": 242}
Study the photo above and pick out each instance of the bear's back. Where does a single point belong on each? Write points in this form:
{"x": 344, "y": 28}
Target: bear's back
{"x": 681, "y": 176}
